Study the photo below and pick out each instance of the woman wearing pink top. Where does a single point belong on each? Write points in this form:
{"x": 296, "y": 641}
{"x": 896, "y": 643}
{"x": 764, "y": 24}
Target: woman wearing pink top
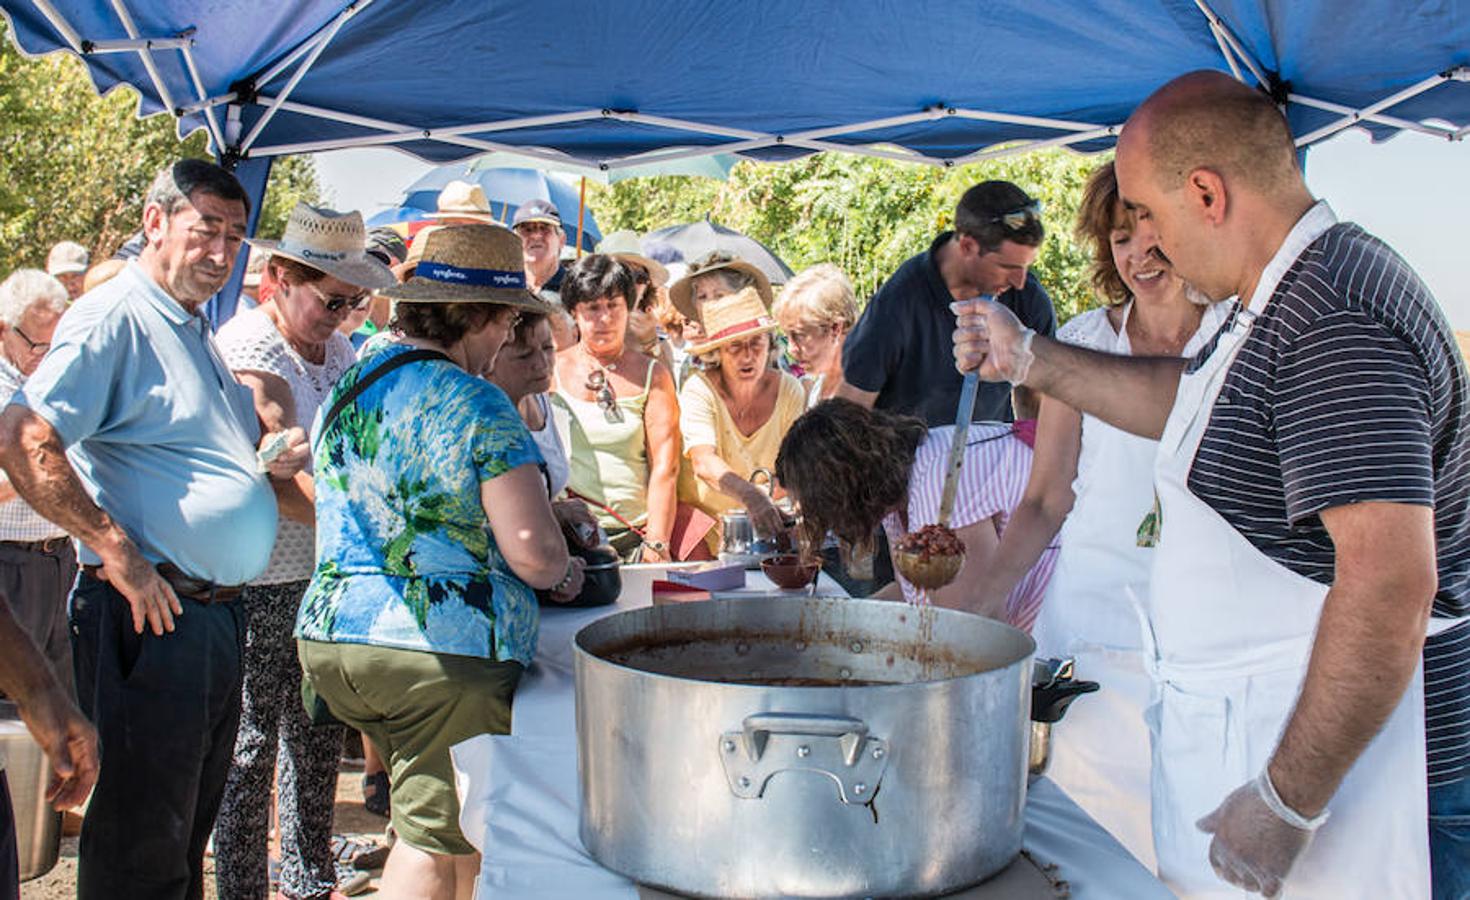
{"x": 850, "y": 469}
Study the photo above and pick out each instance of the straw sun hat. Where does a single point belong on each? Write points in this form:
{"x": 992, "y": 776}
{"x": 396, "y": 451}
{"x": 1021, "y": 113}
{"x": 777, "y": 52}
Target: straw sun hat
{"x": 681, "y": 293}
{"x": 330, "y": 242}
{"x": 469, "y": 264}
{"x": 623, "y": 245}
{"x": 733, "y": 317}
{"x": 462, "y": 200}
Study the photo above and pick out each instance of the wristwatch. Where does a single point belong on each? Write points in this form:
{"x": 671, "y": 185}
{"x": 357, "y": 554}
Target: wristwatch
{"x": 657, "y": 547}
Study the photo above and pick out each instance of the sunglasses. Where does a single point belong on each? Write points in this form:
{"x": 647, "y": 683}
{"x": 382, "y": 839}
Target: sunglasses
{"x": 335, "y": 302}
{"x": 1017, "y": 219}
{"x": 33, "y": 346}
{"x": 602, "y": 392}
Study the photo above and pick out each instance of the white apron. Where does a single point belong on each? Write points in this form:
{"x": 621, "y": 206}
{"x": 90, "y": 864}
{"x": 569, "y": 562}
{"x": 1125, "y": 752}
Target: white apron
{"x": 1232, "y": 632}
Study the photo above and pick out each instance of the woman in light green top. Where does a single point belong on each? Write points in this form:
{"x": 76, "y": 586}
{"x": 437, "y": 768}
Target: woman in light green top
{"x": 622, "y": 414}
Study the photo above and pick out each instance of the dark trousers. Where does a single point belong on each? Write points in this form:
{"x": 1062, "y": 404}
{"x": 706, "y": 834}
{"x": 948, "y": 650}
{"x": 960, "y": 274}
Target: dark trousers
{"x": 166, "y": 710}
{"x": 36, "y": 583}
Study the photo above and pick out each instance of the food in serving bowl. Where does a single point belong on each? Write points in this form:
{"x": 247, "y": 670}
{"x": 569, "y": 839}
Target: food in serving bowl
{"x": 930, "y": 557}
{"x": 790, "y": 572}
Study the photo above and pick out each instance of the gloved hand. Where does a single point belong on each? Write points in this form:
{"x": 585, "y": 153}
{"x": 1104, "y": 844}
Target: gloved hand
{"x": 989, "y": 337}
{"x": 1257, "y": 837}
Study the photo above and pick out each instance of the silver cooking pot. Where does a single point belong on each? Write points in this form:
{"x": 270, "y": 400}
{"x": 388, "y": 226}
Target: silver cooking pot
{"x": 809, "y": 747}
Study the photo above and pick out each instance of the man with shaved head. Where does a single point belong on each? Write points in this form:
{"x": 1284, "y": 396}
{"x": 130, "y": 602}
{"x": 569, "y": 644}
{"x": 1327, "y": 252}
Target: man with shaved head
{"x": 1313, "y": 488}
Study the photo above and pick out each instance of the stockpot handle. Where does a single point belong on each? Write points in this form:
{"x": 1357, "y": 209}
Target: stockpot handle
{"x": 759, "y": 727}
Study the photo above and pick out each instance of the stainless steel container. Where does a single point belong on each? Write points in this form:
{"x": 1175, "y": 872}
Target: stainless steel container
{"x": 809, "y": 747}
{"x": 37, "y": 825}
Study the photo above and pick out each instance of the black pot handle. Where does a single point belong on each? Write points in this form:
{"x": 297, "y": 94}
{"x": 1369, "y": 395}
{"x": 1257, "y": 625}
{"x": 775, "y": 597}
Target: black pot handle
{"x": 1049, "y": 702}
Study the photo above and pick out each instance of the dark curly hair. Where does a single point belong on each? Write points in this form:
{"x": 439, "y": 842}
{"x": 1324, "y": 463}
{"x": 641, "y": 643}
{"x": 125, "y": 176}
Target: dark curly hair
{"x": 847, "y": 467}
{"x": 443, "y": 323}
{"x": 596, "y": 275}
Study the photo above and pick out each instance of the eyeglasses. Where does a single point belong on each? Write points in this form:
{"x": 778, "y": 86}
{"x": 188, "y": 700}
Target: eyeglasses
{"x": 802, "y": 335}
{"x": 335, "y": 302}
{"x": 602, "y": 392}
{"x": 1017, "y": 219}
{"x": 33, "y": 346}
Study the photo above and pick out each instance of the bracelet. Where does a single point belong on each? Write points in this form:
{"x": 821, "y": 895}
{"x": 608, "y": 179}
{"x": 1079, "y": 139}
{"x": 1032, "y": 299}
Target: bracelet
{"x": 566, "y": 579}
{"x": 1285, "y": 813}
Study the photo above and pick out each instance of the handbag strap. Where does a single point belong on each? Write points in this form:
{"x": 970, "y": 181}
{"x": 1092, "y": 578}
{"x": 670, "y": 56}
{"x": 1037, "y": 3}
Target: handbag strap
{"x": 610, "y": 511}
{"x": 367, "y": 381}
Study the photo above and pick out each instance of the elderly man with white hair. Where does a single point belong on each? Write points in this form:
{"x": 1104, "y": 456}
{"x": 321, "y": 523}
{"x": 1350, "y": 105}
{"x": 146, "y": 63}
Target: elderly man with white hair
{"x": 37, "y": 561}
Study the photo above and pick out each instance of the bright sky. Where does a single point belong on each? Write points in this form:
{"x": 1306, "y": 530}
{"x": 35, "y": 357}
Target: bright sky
{"x": 1406, "y": 190}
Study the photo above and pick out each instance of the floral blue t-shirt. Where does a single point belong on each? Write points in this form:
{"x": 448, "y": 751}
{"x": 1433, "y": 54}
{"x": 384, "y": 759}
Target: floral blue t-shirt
{"x": 404, "y": 553}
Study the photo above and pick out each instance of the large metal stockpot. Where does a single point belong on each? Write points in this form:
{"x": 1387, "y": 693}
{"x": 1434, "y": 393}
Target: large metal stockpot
{"x": 813, "y": 747}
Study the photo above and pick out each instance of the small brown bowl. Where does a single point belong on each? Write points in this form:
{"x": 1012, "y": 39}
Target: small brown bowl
{"x": 789, "y": 572}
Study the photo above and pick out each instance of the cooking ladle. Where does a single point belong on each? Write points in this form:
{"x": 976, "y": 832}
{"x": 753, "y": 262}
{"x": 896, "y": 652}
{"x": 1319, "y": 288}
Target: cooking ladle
{"x": 934, "y": 571}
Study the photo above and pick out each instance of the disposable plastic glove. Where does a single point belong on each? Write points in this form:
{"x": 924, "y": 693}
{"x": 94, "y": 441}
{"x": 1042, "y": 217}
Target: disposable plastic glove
{"x": 1257, "y": 837}
{"x": 989, "y": 337}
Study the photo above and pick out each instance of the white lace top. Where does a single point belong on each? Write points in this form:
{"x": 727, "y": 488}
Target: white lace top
{"x": 251, "y": 341}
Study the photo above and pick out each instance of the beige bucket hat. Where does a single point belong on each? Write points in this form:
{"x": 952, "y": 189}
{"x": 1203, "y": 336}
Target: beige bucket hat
{"x": 469, "y": 264}
{"x": 681, "y": 293}
{"x": 623, "y": 245}
{"x": 462, "y": 200}
{"x": 331, "y": 242}
{"x": 733, "y": 317}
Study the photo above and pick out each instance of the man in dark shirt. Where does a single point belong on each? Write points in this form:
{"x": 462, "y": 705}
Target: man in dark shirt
{"x": 897, "y": 356}
{"x": 1332, "y": 461}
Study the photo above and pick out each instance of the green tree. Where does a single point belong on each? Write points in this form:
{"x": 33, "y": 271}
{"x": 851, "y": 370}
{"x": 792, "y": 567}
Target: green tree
{"x": 75, "y": 166}
{"x": 866, "y": 215}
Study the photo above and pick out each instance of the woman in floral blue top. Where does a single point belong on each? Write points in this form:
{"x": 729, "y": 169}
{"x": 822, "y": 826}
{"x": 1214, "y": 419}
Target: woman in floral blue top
{"x": 433, "y": 529}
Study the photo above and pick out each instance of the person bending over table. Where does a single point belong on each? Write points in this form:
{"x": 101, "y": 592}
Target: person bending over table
{"x": 433, "y": 527}
{"x": 850, "y": 468}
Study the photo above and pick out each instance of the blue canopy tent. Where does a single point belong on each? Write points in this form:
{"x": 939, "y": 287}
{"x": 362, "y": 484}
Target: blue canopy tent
{"x": 922, "y": 80}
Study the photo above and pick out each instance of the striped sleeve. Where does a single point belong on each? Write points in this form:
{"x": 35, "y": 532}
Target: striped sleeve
{"x": 1352, "y": 416}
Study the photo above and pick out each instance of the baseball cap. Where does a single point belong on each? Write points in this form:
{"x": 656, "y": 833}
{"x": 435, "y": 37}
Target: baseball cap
{"x": 537, "y": 211}
{"x": 67, "y": 258}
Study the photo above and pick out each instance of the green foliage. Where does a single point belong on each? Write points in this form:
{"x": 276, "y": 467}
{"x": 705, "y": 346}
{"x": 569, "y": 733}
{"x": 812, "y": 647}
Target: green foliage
{"x": 293, "y": 179}
{"x": 75, "y": 166}
{"x": 866, "y": 215}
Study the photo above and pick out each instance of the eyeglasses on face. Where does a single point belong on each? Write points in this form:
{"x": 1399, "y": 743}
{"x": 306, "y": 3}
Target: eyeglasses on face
{"x": 334, "y": 302}
{"x": 32, "y": 346}
{"x": 602, "y": 392}
{"x": 809, "y": 333}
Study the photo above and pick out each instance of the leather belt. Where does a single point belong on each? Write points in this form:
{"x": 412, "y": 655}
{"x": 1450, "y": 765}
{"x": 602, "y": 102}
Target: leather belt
{"x": 184, "y": 584}
{"x": 47, "y": 545}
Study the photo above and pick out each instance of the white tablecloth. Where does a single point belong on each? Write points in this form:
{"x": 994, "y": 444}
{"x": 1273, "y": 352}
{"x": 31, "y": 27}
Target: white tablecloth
{"x": 519, "y": 791}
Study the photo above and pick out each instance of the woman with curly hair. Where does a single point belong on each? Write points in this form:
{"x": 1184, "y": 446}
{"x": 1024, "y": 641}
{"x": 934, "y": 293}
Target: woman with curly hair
{"x": 851, "y": 468}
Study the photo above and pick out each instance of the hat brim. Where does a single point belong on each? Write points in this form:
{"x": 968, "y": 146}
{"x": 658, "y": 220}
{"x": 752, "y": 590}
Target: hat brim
{"x": 424, "y": 290}
{"x": 529, "y": 219}
{"x": 712, "y": 346}
{"x": 653, "y": 267}
{"x": 69, "y": 269}
{"x": 365, "y": 272}
{"x": 681, "y": 292}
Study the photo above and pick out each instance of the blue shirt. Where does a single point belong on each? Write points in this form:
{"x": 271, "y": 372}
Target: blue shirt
{"x": 405, "y": 555}
{"x": 160, "y": 433}
{"x": 902, "y": 348}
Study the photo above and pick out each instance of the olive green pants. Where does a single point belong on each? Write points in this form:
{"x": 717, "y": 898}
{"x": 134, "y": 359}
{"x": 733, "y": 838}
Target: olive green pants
{"x": 414, "y": 706}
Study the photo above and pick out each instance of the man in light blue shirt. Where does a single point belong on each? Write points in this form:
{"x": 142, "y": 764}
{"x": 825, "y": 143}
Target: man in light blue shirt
{"x": 133, "y": 435}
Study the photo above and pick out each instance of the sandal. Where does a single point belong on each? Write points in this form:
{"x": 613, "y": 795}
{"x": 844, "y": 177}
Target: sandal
{"x": 375, "y": 797}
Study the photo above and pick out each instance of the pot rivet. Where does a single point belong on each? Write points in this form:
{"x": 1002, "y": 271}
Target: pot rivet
{"x": 743, "y": 782}
{"x": 742, "y": 648}
{"x": 800, "y": 646}
{"x": 803, "y": 751}
{"x": 729, "y": 746}
{"x": 877, "y": 752}
{"x": 844, "y": 673}
{"x": 860, "y": 788}
{"x": 856, "y": 646}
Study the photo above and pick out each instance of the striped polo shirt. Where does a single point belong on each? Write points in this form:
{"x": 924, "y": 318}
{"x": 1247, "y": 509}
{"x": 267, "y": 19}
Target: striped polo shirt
{"x": 1349, "y": 388}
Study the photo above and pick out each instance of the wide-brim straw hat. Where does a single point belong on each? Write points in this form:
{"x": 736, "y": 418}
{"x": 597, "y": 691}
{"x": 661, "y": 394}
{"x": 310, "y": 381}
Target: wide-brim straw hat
{"x": 732, "y": 317}
{"x": 469, "y": 264}
{"x": 681, "y": 293}
{"x": 334, "y": 243}
{"x": 624, "y": 246}
{"x": 462, "y": 200}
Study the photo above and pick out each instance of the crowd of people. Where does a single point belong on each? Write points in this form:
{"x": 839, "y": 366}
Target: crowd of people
{"x": 222, "y": 552}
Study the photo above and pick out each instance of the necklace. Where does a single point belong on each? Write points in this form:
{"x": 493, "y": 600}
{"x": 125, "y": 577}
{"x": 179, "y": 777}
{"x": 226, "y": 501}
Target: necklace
{"x": 592, "y": 358}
